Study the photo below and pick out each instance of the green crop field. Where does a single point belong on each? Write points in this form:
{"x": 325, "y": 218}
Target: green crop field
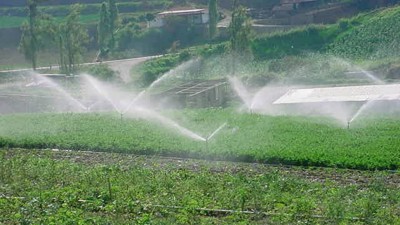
{"x": 15, "y": 16}
{"x": 44, "y": 187}
{"x": 369, "y": 144}
{"x": 160, "y": 166}
{"x": 11, "y": 21}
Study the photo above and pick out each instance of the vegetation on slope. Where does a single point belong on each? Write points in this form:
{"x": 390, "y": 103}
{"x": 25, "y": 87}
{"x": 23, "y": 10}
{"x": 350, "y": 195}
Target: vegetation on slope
{"x": 316, "y": 54}
{"x": 294, "y": 42}
{"x": 370, "y": 35}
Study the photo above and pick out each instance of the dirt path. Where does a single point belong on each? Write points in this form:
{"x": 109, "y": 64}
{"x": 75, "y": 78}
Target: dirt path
{"x": 122, "y": 66}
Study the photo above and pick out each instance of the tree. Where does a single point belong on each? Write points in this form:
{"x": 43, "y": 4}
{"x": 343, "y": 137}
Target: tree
{"x": 73, "y": 37}
{"x": 29, "y": 43}
{"x": 113, "y": 21}
{"x": 103, "y": 30}
{"x": 213, "y": 12}
{"x": 106, "y": 28}
{"x": 240, "y": 30}
{"x": 150, "y": 17}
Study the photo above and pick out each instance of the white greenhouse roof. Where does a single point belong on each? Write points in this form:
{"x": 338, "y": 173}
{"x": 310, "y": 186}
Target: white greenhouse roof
{"x": 182, "y": 12}
{"x": 341, "y": 94}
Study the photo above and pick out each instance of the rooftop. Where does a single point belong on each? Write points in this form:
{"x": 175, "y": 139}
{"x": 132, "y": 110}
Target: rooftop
{"x": 295, "y": 1}
{"x": 341, "y": 94}
{"x": 182, "y": 12}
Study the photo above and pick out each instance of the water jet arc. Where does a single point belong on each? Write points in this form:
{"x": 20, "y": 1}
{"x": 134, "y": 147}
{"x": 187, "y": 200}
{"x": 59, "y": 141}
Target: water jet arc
{"x": 215, "y": 132}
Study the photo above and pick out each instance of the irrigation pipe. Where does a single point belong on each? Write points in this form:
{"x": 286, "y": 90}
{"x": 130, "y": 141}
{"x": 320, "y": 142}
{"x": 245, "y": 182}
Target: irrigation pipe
{"x": 225, "y": 212}
{"x": 216, "y": 212}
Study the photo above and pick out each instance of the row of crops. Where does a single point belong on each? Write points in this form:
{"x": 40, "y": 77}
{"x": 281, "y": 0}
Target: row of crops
{"x": 373, "y": 35}
{"x": 37, "y": 189}
{"x": 371, "y": 143}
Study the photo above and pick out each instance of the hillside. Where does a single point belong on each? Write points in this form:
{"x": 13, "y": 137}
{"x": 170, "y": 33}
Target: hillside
{"x": 222, "y": 3}
{"x": 372, "y": 35}
{"x": 22, "y": 3}
{"x": 369, "y": 35}
{"x": 316, "y": 54}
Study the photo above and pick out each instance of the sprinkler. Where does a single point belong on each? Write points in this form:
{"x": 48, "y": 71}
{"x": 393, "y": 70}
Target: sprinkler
{"x": 348, "y": 125}
{"x": 213, "y": 134}
{"x": 122, "y": 116}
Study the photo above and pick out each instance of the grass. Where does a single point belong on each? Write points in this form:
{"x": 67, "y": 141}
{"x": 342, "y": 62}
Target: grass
{"x": 43, "y": 187}
{"x": 15, "y": 21}
{"x": 252, "y": 138}
{"x": 16, "y": 60}
{"x": 11, "y": 21}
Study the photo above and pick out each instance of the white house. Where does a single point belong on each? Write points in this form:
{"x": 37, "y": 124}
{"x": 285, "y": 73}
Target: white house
{"x": 193, "y": 16}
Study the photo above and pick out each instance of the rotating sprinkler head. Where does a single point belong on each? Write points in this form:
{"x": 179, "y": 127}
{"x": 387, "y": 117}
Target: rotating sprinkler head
{"x": 348, "y": 125}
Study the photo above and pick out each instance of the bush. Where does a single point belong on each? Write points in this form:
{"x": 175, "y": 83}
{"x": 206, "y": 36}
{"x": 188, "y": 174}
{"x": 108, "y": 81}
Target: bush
{"x": 311, "y": 38}
{"x": 343, "y": 24}
{"x": 103, "y": 72}
{"x": 152, "y": 69}
{"x": 158, "y": 40}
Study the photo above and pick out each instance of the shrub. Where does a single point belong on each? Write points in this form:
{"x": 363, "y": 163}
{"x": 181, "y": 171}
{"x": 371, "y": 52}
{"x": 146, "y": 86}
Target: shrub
{"x": 103, "y": 72}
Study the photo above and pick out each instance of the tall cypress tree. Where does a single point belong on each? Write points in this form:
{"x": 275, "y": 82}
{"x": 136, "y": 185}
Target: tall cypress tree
{"x": 113, "y": 20}
{"x": 213, "y": 12}
{"x": 73, "y": 37}
{"x": 240, "y": 30}
{"x": 29, "y": 44}
{"x": 103, "y": 29}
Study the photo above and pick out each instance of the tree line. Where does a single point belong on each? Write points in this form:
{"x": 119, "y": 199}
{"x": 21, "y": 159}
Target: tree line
{"x": 70, "y": 37}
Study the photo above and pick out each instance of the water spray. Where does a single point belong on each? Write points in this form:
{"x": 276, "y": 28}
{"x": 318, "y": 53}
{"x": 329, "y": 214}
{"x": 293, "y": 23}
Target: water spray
{"x": 40, "y": 79}
{"x": 134, "y": 101}
{"x": 98, "y": 87}
{"x": 362, "y": 109}
{"x": 213, "y": 134}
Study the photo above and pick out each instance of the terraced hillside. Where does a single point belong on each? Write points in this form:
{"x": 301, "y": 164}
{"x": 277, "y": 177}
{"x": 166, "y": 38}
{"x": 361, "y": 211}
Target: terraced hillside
{"x": 368, "y": 35}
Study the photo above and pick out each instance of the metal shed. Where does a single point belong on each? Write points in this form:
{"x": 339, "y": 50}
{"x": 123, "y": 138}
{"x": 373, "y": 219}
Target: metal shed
{"x": 198, "y": 93}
